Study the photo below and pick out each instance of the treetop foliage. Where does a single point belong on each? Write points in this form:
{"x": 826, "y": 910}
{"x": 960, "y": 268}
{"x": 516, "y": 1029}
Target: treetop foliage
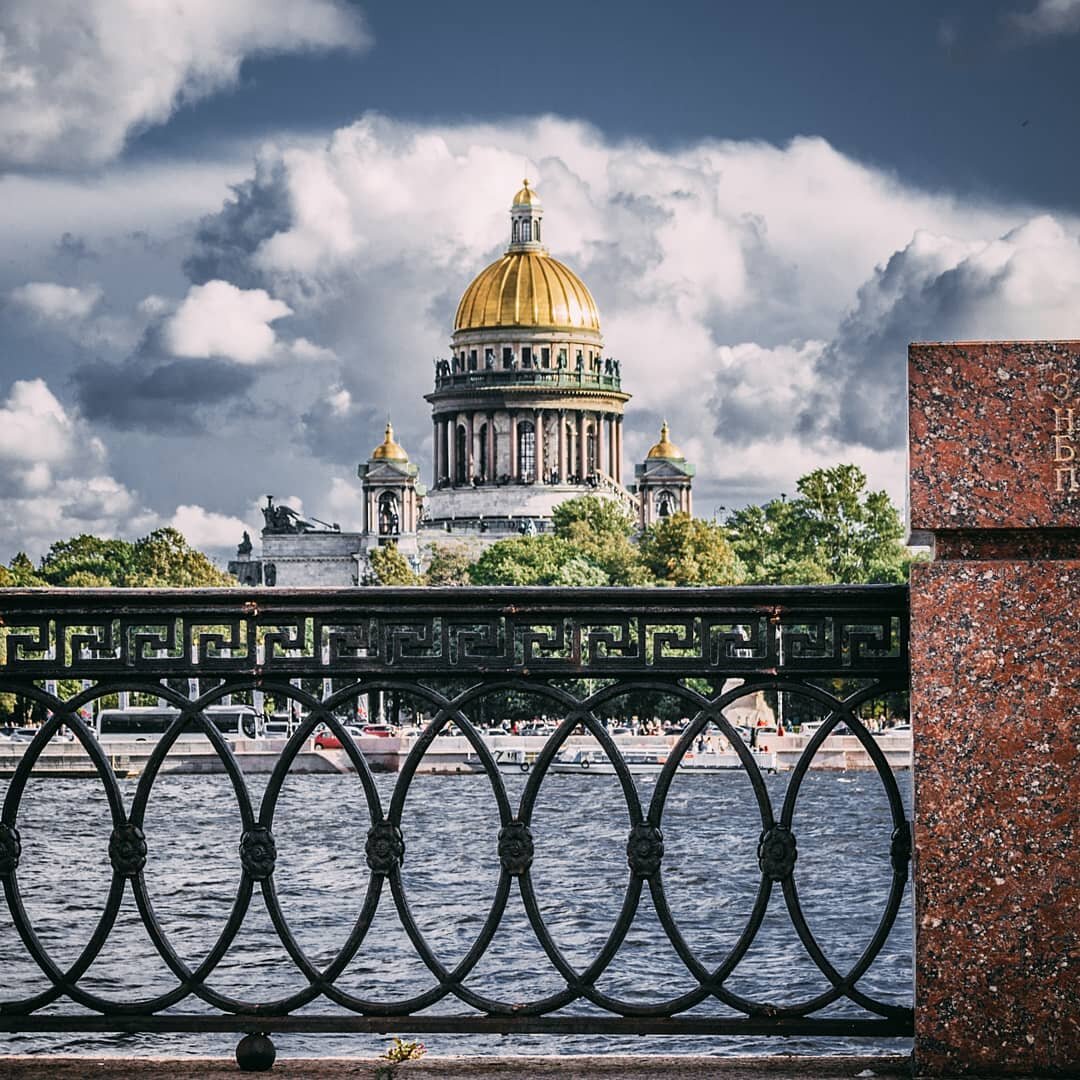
{"x": 162, "y": 559}
{"x": 391, "y": 567}
{"x": 833, "y": 531}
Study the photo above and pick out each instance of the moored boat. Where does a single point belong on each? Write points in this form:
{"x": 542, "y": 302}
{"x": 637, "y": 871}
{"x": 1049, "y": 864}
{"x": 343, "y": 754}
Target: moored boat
{"x": 639, "y": 762}
{"x": 715, "y": 761}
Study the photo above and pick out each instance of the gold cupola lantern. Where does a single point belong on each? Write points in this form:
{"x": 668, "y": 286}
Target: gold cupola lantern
{"x": 388, "y": 450}
{"x": 665, "y": 448}
{"x": 527, "y": 287}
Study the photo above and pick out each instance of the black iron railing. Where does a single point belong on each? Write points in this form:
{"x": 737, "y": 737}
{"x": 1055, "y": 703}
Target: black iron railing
{"x": 558, "y": 379}
{"x": 455, "y": 656}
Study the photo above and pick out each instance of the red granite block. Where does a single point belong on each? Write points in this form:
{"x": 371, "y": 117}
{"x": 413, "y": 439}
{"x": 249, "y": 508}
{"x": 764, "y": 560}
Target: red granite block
{"x": 995, "y": 657}
{"x": 994, "y": 434}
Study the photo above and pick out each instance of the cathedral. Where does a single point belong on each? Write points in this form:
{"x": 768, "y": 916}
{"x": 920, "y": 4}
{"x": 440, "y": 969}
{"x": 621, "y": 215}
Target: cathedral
{"x": 527, "y": 412}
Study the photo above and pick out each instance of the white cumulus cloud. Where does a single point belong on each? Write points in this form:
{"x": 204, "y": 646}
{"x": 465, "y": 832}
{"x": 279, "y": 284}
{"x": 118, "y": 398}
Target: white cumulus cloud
{"x": 48, "y": 300}
{"x": 34, "y": 428}
{"x": 218, "y": 319}
{"x": 207, "y": 529}
{"x": 77, "y": 77}
{"x": 1050, "y": 17}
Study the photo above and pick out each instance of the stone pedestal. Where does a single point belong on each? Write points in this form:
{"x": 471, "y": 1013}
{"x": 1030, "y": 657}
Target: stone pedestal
{"x": 995, "y": 657}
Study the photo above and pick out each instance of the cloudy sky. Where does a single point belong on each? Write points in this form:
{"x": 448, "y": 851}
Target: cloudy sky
{"x": 234, "y": 234}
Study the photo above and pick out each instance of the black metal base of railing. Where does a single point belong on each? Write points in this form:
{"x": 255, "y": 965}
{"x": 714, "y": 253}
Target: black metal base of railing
{"x": 332, "y": 1023}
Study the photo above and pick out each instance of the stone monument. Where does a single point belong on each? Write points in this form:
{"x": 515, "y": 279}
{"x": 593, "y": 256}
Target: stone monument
{"x": 995, "y": 658}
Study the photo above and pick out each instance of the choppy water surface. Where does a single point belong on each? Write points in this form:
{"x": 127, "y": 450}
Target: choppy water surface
{"x": 711, "y": 827}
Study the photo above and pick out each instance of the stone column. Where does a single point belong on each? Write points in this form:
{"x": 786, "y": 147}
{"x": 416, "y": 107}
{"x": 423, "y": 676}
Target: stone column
{"x": 581, "y": 445}
{"x": 493, "y": 471}
{"x": 617, "y": 471}
{"x": 995, "y": 669}
{"x": 600, "y": 420}
{"x": 470, "y": 447}
{"x": 562, "y": 445}
{"x": 451, "y": 448}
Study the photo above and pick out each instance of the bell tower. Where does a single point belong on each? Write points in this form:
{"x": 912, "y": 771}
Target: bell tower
{"x": 664, "y": 481}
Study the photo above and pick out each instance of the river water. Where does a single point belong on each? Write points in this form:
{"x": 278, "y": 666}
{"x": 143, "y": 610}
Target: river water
{"x": 450, "y": 823}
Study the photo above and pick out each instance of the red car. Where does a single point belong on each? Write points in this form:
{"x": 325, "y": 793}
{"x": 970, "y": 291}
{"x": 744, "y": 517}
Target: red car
{"x": 383, "y": 730}
{"x": 327, "y": 740}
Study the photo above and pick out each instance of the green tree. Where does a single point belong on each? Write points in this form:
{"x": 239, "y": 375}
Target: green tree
{"x": 88, "y": 559}
{"x": 448, "y": 566}
{"x": 20, "y": 574}
{"x": 391, "y": 567}
{"x": 164, "y": 558}
{"x": 599, "y": 530}
{"x": 834, "y": 531}
{"x": 683, "y": 550}
{"x": 535, "y": 560}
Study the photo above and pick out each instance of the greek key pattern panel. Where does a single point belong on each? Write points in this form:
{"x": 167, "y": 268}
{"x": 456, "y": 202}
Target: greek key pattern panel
{"x": 385, "y": 631}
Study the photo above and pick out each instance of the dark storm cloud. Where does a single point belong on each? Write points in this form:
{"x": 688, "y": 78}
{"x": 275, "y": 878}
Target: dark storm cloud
{"x": 341, "y": 437}
{"x": 933, "y": 290}
{"x": 173, "y": 396}
{"x": 226, "y": 240}
{"x": 860, "y": 395}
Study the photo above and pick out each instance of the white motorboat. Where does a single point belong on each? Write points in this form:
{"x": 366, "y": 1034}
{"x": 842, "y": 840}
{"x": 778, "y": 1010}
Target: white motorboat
{"x": 714, "y": 761}
{"x": 639, "y": 762}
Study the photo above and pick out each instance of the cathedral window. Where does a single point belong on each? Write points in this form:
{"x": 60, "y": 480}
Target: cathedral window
{"x": 538, "y": 230}
{"x": 514, "y": 232}
{"x": 508, "y": 357}
{"x": 665, "y": 504}
{"x": 545, "y": 357}
{"x": 389, "y": 519}
{"x": 461, "y": 459}
{"x": 484, "y": 471}
{"x": 472, "y": 359}
{"x": 526, "y": 451}
{"x": 526, "y": 231}
{"x": 526, "y": 356}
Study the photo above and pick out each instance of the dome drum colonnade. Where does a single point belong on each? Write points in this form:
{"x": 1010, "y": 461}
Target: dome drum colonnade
{"x": 527, "y": 397}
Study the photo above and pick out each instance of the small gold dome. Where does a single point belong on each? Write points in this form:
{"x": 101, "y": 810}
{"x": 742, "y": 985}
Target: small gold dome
{"x": 665, "y": 448}
{"x": 527, "y": 288}
{"x": 526, "y": 196}
{"x": 388, "y": 450}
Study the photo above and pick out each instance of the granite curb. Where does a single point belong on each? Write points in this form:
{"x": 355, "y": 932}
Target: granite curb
{"x": 583, "y": 1067}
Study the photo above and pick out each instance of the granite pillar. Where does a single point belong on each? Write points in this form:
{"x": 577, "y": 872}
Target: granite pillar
{"x": 995, "y": 659}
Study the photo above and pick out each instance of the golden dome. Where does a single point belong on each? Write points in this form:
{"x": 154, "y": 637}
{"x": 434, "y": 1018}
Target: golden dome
{"x": 527, "y": 288}
{"x": 665, "y": 448}
{"x": 388, "y": 450}
{"x": 526, "y": 196}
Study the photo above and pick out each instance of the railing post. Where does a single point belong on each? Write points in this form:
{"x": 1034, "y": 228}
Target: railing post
{"x": 995, "y": 658}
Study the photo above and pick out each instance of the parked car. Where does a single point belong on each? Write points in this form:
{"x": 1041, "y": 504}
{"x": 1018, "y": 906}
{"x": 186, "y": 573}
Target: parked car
{"x": 325, "y": 739}
{"x": 538, "y": 730}
{"x": 383, "y": 730}
{"x": 20, "y": 734}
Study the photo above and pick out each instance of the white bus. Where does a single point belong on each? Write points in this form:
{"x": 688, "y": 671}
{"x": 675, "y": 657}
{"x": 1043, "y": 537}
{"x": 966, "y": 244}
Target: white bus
{"x": 148, "y": 724}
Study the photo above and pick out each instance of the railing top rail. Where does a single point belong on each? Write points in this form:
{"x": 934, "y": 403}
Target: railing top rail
{"x": 459, "y": 599}
{"x": 493, "y": 632}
